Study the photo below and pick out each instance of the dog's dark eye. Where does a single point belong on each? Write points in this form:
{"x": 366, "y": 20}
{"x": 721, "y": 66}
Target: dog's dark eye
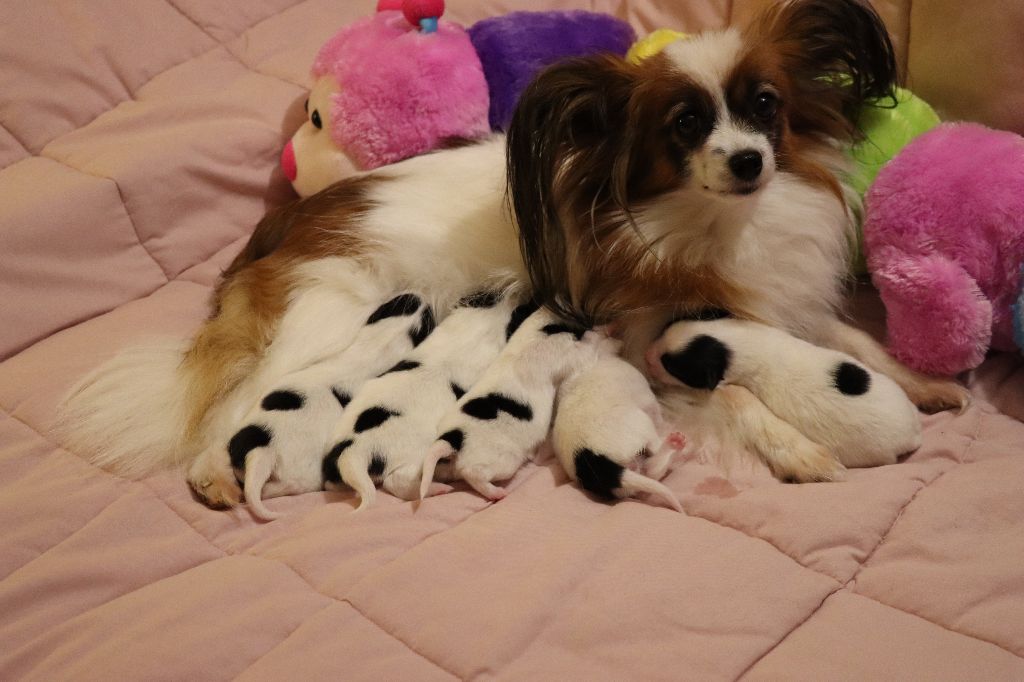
{"x": 687, "y": 123}
{"x": 766, "y": 104}
{"x": 315, "y": 118}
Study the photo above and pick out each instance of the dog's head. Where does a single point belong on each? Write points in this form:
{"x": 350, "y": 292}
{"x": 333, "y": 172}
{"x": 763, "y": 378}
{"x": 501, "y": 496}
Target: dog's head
{"x": 715, "y": 117}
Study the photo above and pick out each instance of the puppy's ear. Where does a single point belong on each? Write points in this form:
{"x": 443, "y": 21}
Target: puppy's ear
{"x": 564, "y": 142}
{"x": 838, "y": 57}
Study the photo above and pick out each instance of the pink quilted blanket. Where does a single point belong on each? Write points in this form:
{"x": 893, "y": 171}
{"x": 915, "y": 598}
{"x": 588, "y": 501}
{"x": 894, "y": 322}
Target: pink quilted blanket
{"x": 138, "y": 142}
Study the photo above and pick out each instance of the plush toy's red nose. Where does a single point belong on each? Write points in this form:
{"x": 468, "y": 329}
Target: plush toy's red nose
{"x": 288, "y": 162}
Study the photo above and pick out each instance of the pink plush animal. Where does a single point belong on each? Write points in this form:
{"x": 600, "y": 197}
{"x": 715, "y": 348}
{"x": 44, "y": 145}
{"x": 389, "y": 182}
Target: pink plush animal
{"x": 388, "y": 87}
{"x": 944, "y": 238}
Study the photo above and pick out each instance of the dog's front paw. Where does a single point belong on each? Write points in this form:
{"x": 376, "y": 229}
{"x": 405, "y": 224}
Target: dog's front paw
{"x": 805, "y": 462}
{"x": 213, "y": 480}
{"x": 933, "y": 395}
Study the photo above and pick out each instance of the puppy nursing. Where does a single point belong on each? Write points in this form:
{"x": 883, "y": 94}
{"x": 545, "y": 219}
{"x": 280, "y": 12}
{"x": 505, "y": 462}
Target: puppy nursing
{"x": 609, "y": 434}
{"x": 861, "y": 417}
{"x": 494, "y": 428}
{"x": 279, "y": 449}
{"x": 710, "y": 175}
{"x": 386, "y": 430}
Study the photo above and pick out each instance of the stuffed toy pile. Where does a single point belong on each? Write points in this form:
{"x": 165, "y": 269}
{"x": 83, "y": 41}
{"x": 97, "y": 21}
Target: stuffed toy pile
{"x": 405, "y": 81}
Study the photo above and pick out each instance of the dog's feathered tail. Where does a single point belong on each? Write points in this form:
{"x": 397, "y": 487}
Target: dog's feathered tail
{"x": 128, "y": 415}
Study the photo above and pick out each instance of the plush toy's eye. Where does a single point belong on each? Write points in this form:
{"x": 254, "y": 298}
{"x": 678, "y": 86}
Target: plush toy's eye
{"x": 315, "y": 118}
{"x": 766, "y": 104}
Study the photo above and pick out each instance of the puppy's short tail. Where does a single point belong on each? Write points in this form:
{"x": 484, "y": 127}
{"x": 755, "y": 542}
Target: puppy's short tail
{"x": 435, "y": 454}
{"x": 128, "y": 415}
{"x": 259, "y": 464}
{"x": 355, "y": 473}
{"x": 633, "y": 484}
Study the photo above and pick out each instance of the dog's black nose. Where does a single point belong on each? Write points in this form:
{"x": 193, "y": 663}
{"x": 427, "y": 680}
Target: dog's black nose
{"x": 746, "y": 165}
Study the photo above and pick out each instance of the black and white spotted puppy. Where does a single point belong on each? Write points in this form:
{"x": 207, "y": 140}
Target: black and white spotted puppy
{"x": 280, "y": 449}
{"x": 505, "y": 416}
{"x": 389, "y": 425}
{"x": 861, "y": 417}
{"x": 609, "y": 434}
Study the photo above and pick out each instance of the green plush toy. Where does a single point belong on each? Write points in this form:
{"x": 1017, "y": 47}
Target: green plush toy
{"x": 887, "y": 130}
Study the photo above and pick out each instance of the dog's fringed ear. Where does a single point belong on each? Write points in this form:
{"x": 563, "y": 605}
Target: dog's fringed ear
{"x": 569, "y": 123}
{"x": 838, "y": 56}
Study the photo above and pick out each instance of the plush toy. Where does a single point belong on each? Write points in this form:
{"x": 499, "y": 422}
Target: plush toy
{"x": 944, "y": 236}
{"x": 514, "y": 47}
{"x": 385, "y": 88}
{"x": 1018, "y": 315}
{"x": 404, "y": 82}
{"x": 887, "y": 129}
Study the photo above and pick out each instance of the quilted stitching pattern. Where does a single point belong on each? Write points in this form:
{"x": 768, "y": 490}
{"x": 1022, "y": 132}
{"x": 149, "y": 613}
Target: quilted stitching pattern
{"x": 118, "y": 215}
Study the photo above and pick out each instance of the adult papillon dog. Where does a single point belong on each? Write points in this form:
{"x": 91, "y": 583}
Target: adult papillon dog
{"x": 710, "y": 176}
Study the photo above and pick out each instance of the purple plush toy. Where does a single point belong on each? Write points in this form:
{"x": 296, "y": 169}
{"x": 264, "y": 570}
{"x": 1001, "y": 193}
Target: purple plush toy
{"x": 944, "y": 237}
{"x": 514, "y": 47}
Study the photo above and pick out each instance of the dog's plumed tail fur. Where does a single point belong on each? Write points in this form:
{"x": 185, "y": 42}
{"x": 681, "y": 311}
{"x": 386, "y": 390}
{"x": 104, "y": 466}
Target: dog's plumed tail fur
{"x": 355, "y": 473}
{"x": 259, "y": 465}
{"x": 128, "y": 415}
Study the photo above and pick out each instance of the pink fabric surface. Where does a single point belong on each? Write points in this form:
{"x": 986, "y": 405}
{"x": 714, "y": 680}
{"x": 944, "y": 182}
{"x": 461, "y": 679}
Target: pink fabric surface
{"x": 137, "y": 151}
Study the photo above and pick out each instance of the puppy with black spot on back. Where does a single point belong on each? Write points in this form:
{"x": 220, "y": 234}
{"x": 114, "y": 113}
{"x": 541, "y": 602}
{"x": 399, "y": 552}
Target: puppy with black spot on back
{"x": 387, "y": 429}
{"x": 609, "y": 434}
{"x": 280, "y": 448}
{"x": 493, "y": 429}
{"x": 860, "y": 417}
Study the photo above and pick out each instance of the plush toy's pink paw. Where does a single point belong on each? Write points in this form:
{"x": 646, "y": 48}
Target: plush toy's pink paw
{"x": 938, "y": 320}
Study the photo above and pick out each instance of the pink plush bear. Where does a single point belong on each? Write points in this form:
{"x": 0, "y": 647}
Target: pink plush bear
{"x": 944, "y": 237}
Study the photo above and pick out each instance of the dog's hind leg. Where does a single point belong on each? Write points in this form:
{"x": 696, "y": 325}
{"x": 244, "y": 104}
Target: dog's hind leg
{"x": 789, "y": 454}
{"x": 930, "y": 394}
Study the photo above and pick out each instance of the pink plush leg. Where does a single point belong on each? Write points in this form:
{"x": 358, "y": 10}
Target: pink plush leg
{"x": 938, "y": 320}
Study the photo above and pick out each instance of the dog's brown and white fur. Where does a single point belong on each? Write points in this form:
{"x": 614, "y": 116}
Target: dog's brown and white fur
{"x": 627, "y": 207}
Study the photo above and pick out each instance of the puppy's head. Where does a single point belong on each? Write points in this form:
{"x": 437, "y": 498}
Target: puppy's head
{"x": 715, "y": 117}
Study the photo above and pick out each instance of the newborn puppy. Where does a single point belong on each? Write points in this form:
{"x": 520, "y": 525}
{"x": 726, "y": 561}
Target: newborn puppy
{"x": 280, "y": 450}
{"x": 386, "y": 430}
{"x": 863, "y": 418}
{"x": 495, "y": 427}
{"x": 607, "y": 432}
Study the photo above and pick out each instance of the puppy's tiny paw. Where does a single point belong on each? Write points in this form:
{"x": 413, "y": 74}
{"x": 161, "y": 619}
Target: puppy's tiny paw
{"x": 436, "y": 488}
{"x": 487, "y": 489}
{"x": 677, "y": 440}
